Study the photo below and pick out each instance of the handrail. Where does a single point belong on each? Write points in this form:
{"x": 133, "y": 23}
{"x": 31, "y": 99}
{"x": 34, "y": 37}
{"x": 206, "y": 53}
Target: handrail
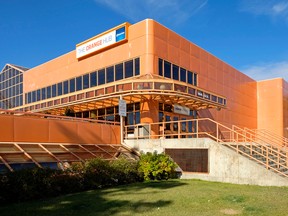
{"x": 236, "y": 138}
{"x": 279, "y": 141}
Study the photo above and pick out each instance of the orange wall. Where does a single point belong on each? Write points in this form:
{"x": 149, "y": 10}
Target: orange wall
{"x": 270, "y": 105}
{"x": 31, "y": 129}
{"x": 67, "y": 66}
{"x": 149, "y": 40}
{"x": 213, "y": 75}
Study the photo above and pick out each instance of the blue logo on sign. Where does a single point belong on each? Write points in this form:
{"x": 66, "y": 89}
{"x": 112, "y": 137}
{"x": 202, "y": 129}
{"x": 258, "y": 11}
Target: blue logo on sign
{"x": 120, "y": 34}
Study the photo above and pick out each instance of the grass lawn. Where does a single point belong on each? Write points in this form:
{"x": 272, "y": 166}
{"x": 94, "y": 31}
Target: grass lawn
{"x": 174, "y": 197}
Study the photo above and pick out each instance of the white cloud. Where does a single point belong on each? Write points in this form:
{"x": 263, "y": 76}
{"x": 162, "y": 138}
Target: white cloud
{"x": 166, "y": 11}
{"x": 273, "y": 8}
{"x": 269, "y": 70}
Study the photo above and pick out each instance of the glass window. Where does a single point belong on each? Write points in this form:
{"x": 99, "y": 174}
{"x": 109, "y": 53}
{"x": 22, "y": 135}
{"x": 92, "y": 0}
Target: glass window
{"x": 214, "y": 98}
{"x": 182, "y": 75}
{"x": 79, "y": 83}
{"x": 59, "y": 87}
{"x": 65, "y": 86}
{"x": 129, "y": 69}
{"x": 137, "y": 117}
{"x": 175, "y": 124}
{"x": 86, "y": 81}
{"x": 93, "y": 79}
{"x": 29, "y": 98}
{"x": 43, "y": 93}
{"x": 48, "y": 92}
{"x": 183, "y": 125}
{"x": 110, "y": 74}
{"x": 130, "y": 117}
{"x": 72, "y": 85}
{"x": 190, "y": 77}
{"x": 167, "y": 119}
{"x": 160, "y": 67}
{"x": 38, "y": 95}
{"x": 110, "y": 110}
{"x": 33, "y": 96}
{"x": 137, "y": 66}
{"x": 130, "y": 107}
{"x": 21, "y": 101}
{"x": 119, "y": 71}
{"x": 175, "y": 72}
{"x": 21, "y": 78}
{"x": 195, "y": 79}
{"x": 101, "y": 77}
{"x": 167, "y": 69}
{"x": 21, "y": 88}
{"x": 54, "y": 90}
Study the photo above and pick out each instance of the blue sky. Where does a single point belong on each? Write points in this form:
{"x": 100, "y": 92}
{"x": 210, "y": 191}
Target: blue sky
{"x": 250, "y": 35}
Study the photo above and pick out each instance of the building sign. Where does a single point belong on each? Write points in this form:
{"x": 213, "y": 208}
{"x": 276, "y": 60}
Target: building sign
{"x": 104, "y": 40}
{"x": 181, "y": 110}
{"x": 122, "y": 108}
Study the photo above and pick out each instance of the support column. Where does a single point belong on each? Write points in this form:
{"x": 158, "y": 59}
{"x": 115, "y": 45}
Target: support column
{"x": 149, "y": 114}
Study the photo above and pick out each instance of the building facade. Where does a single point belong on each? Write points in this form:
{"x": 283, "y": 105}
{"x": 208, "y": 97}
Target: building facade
{"x": 161, "y": 76}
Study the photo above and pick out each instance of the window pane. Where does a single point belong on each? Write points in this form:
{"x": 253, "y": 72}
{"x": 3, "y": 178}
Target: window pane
{"x": 128, "y": 69}
{"x": 65, "y": 86}
{"x": 59, "y": 85}
{"x": 167, "y": 69}
{"x": 54, "y": 90}
{"x": 190, "y": 77}
{"x": 38, "y": 95}
{"x": 182, "y": 75}
{"x": 72, "y": 85}
{"x": 175, "y": 72}
{"x": 33, "y": 96}
{"x": 160, "y": 67}
{"x": 110, "y": 74}
{"x": 93, "y": 79}
{"x": 86, "y": 81}
{"x": 79, "y": 83}
{"x": 101, "y": 77}
{"x": 195, "y": 79}
{"x": 48, "y": 92}
{"x": 43, "y": 93}
{"x": 119, "y": 71}
{"x": 137, "y": 66}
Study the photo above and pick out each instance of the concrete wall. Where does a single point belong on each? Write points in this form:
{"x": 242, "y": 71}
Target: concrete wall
{"x": 225, "y": 165}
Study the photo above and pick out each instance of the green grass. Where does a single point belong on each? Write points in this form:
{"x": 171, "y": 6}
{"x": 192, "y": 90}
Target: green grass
{"x": 174, "y": 197}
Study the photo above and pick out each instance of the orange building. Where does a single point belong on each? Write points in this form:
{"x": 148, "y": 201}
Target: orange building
{"x": 161, "y": 76}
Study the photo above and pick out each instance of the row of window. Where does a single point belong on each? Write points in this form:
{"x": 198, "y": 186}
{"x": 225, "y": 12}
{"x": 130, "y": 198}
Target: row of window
{"x": 12, "y": 91}
{"x": 8, "y": 73}
{"x": 11, "y": 81}
{"x": 172, "y": 71}
{"x": 112, "y": 114}
{"x": 11, "y": 88}
{"x": 106, "y": 75}
{"x": 11, "y": 102}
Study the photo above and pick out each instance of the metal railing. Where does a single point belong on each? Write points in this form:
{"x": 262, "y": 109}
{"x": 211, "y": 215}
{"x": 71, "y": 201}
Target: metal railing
{"x": 240, "y": 140}
{"x": 269, "y": 137}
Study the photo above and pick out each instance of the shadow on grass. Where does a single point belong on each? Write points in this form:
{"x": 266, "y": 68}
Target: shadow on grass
{"x": 128, "y": 200}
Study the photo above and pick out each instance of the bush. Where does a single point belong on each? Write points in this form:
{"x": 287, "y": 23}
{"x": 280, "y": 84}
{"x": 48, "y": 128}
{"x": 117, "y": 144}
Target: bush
{"x": 125, "y": 171}
{"x": 38, "y": 183}
{"x": 157, "y": 166}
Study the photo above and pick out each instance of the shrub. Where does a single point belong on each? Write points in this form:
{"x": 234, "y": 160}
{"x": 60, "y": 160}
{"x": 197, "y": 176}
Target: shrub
{"x": 97, "y": 173}
{"x": 157, "y": 166}
{"x": 125, "y": 171}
